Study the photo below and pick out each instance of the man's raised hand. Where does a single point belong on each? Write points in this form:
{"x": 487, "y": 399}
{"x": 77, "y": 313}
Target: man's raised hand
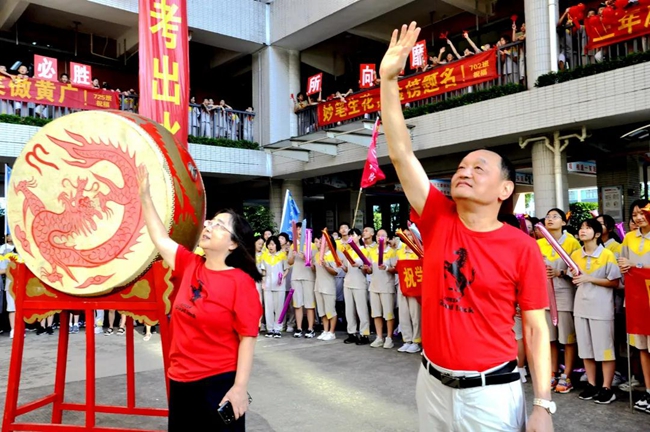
{"x": 398, "y": 51}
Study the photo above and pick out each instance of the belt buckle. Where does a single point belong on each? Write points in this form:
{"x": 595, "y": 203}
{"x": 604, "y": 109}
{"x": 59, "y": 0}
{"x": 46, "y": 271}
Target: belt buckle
{"x": 450, "y": 380}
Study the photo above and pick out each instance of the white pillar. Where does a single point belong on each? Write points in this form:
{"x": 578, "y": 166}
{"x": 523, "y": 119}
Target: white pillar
{"x": 276, "y": 199}
{"x": 541, "y": 38}
{"x": 276, "y": 74}
{"x": 544, "y": 180}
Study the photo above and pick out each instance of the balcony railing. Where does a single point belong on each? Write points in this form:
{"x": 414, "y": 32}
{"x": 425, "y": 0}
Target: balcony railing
{"x": 573, "y": 52}
{"x": 203, "y": 123}
{"x": 511, "y": 69}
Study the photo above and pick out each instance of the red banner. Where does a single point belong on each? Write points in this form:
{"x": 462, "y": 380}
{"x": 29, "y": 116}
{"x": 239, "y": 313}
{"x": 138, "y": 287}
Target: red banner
{"x": 410, "y": 277}
{"x": 371, "y": 171}
{"x": 618, "y": 25}
{"x": 314, "y": 84}
{"x": 419, "y": 54}
{"x": 454, "y": 76}
{"x": 81, "y": 75}
{"x": 45, "y": 68}
{"x": 637, "y": 301}
{"x": 164, "y": 64}
{"x": 45, "y": 92}
{"x": 367, "y": 74}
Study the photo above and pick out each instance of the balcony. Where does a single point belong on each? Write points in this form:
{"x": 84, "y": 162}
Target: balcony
{"x": 204, "y": 122}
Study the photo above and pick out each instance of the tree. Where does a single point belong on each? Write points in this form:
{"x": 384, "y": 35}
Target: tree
{"x": 580, "y": 212}
{"x": 259, "y": 217}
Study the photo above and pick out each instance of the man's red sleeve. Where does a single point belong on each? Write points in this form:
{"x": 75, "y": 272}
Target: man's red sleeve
{"x": 435, "y": 206}
{"x": 531, "y": 286}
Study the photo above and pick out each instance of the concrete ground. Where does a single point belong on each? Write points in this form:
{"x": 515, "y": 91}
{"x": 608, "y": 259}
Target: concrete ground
{"x": 297, "y": 385}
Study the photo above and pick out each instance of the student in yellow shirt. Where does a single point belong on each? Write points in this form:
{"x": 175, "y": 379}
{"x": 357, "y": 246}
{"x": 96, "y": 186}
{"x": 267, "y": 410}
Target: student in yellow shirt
{"x": 410, "y": 310}
{"x": 594, "y": 310}
{"x": 556, "y": 269}
{"x": 355, "y": 291}
{"x": 325, "y": 291}
{"x": 635, "y": 252}
{"x": 610, "y": 238}
{"x": 274, "y": 272}
{"x": 382, "y": 293}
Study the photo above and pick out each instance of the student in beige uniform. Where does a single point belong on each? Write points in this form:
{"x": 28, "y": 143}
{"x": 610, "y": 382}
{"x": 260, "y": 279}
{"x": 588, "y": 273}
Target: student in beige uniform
{"x": 635, "y": 252}
{"x": 355, "y": 291}
{"x": 556, "y": 270}
{"x": 410, "y": 310}
{"x": 594, "y": 310}
{"x": 302, "y": 282}
{"x": 325, "y": 291}
{"x": 274, "y": 272}
{"x": 382, "y": 293}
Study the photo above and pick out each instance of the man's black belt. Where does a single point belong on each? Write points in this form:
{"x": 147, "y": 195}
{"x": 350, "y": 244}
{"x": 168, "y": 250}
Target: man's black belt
{"x": 502, "y": 375}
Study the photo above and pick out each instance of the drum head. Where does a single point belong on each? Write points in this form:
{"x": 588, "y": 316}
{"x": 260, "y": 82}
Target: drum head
{"x": 73, "y": 205}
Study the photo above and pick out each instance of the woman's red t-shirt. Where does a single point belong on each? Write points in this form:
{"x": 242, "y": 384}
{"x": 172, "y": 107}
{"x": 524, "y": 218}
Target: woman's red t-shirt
{"x": 211, "y": 311}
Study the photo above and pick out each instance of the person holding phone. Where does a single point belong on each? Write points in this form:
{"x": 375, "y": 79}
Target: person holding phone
{"x": 214, "y": 319}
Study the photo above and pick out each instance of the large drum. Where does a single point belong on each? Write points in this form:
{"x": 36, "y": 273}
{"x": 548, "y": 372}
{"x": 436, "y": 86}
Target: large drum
{"x": 73, "y": 205}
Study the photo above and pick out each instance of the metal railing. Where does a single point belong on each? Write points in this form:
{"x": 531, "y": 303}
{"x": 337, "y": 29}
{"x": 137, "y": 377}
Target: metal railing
{"x": 203, "y": 122}
{"x": 573, "y": 52}
{"x": 511, "y": 69}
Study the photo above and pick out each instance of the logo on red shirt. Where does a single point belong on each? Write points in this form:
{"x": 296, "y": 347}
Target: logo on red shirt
{"x": 463, "y": 279}
{"x": 198, "y": 292}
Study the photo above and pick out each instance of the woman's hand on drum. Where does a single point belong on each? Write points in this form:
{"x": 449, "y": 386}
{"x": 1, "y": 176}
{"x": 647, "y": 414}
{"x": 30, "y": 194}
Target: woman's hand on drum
{"x": 143, "y": 180}
{"x": 238, "y": 397}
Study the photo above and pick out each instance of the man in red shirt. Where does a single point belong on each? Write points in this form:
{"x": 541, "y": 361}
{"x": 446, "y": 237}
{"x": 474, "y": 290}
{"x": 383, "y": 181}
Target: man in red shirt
{"x": 476, "y": 270}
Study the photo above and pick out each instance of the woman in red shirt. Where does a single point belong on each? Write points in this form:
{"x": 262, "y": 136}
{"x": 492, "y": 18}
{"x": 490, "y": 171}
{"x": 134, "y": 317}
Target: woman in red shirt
{"x": 214, "y": 319}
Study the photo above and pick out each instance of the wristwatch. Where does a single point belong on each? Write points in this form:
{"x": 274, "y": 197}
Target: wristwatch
{"x": 548, "y": 405}
{"x": 639, "y": 265}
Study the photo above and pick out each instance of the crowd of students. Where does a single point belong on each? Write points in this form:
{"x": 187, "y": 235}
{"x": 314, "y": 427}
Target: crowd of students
{"x": 350, "y": 293}
{"x": 591, "y": 315}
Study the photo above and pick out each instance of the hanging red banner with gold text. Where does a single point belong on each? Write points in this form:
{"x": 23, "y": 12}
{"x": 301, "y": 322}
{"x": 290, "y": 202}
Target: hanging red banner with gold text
{"x": 46, "y": 92}
{"x": 444, "y": 78}
{"x": 164, "y": 64}
{"x": 617, "y": 25}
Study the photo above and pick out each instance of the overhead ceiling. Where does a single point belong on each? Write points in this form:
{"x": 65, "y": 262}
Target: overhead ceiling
{"x": 63, "y": 18}
{"x": 424, "y": 12}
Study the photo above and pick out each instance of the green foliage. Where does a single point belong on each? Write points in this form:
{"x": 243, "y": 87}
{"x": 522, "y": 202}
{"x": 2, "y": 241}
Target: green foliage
{"x": 223, "y": 142}
{"x": 259, "y": 217}
{"x": 217, "y": 142}
{"x": 580, "y": 212}
{"x": 27, "y": 121}
{"x": 592, "y": 69}
{"x": 466, "y": 99}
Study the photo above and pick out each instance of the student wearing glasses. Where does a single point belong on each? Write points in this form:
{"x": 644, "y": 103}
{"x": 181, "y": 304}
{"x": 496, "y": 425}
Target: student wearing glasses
{"x": 556, "y": 270}
{"x": 214, "y": 318}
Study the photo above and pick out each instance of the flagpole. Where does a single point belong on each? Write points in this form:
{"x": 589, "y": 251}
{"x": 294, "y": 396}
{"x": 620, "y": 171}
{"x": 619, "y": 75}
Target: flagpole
{"x": 629, "y": 370}
{"x": 284, "y": 208}
{"x": 356, "y": 209}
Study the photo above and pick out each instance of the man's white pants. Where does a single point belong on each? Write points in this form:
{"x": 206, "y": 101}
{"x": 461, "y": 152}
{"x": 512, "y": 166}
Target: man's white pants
{"x": 495, "y": 408}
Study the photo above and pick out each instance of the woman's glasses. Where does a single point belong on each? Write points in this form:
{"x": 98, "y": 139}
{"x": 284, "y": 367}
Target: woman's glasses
{"x": 212, "y": 224}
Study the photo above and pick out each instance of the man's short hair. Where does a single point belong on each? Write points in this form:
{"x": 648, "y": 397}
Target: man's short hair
{"x": 508, "y": 171}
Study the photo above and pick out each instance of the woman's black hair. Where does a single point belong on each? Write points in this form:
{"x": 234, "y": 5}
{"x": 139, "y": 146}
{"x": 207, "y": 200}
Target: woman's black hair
{"x": 534, "y": 221}
{"x": 243, "y": 257}
{"x": 509, "y": 219}
{"x": 596, "y": 226}
{"x": 276, "y": 241}
{"x": 285, "y": 235}
{"x": 257, "y": 238}
{"x": 558, "y": 211}
{"x": 610, "y": 224}
{"x": 640, "y": 203}
{"x": 356, "y": 231}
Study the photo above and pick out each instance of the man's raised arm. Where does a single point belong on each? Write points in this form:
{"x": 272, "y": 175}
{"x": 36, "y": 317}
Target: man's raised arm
{"x": 411, "y": 174}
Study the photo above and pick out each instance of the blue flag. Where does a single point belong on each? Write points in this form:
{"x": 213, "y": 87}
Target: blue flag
{"x": 290, "y": 212}
{"x": 7, "y": 177}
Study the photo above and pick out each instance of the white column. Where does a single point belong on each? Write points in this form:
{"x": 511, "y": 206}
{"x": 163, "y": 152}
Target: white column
{"x": 541, "y": 38}
{"x": 544, "y": 180}
{"x": 276, "y": 199}
{"x": 276, "y": 74}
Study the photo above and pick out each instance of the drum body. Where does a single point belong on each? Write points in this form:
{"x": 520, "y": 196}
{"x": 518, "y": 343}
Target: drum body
{"x": 73, "y": 205}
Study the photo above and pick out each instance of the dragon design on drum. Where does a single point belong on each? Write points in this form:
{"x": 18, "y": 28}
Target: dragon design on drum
{"x": 54, "y": 233}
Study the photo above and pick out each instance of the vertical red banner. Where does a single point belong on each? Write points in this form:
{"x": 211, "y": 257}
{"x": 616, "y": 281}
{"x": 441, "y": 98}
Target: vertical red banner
{"x": 164, "y": 64}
